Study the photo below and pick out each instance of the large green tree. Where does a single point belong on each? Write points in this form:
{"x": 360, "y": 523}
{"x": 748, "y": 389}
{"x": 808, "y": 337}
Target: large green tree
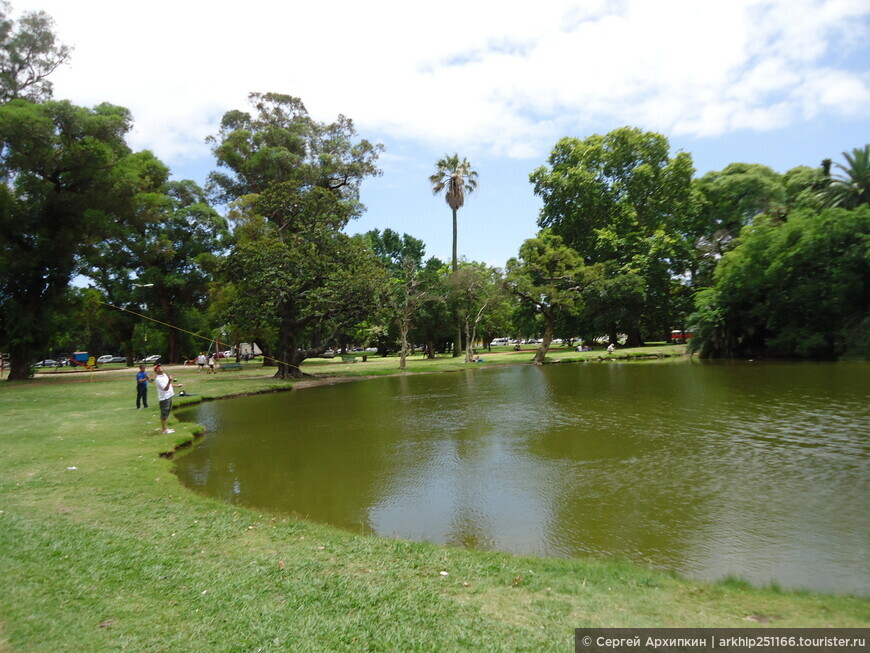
{"x": 29, "y": 53}
{"x": 620, "y": 199}
{"x": 550, "y": 278}
{"x": 60, "y": 167}
{"x": 455, "y": 178}
{"x": 159, "y": 253}
{"x": 300, "y": 179}
{"x": 433, "y": 323}
{"x": 309, "y": 288}
{"x": 477, "y": 290}
{"x": 409, "y": 285}
{"x": 732, "y": 197}
{"x": 798, "y": 287}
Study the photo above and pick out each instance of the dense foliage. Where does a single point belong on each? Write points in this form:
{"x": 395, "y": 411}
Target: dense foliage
{"x": 29, "y": 53}
{"x": 795, "y": 288}
{"x": 620, "y": 200}
{"x": 295, "y": 184}
{"x": 60, "y": 165}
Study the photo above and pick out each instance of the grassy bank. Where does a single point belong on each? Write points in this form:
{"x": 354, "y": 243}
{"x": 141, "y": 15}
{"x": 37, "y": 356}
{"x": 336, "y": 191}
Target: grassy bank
{"x": 102, "y": 549}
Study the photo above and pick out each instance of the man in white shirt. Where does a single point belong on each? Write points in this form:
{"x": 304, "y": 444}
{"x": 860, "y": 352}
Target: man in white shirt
{"x": 164, "y": 395}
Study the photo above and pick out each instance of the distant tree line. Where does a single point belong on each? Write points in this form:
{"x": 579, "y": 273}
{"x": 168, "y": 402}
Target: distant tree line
{"x": 631, "y": 244}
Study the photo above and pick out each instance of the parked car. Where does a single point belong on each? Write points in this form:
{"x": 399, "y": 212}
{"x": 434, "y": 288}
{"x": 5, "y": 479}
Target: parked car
{"x": 153, "y": 358}
{"x": 680, "y": 337}
{"x": 48, "y": 362}
{"x": 105, "y": 358}
{"x": 118, "y": 359}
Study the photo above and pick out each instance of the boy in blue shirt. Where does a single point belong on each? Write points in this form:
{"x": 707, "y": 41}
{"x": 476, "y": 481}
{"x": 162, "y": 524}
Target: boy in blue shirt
{"x": 142, "y": 387}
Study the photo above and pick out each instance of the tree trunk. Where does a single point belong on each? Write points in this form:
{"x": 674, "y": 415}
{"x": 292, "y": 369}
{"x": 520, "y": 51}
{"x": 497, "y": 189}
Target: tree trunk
{"x": 469, "y": 343}
{"x": 268, "y": 358}
{"x": 457, "y": 341}
{"x": 430, "y": 349}
{"x": 455, "y": 264}
{"x": 541, "y": 354}
{"x": 19, "y": 369}
{"x": 611, "y": 333}
{"x": 290, "y": 358}
{"x": 634, "y": 339}
{"x": 403, "y": 356}
{"x": 173, "y": 344}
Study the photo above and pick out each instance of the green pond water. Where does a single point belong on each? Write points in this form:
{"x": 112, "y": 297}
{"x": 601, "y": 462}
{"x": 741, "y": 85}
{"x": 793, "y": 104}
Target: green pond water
{"x": 755, "y": 470}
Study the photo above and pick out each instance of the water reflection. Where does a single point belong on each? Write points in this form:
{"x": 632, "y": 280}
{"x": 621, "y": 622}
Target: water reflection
{"x": 752, "y": 470}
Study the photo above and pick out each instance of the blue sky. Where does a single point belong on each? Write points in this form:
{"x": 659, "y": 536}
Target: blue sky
{"x": 777, "y": 82}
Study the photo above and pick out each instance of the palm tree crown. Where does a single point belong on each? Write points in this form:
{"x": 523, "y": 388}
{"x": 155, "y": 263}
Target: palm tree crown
{"x": 852, "y": 188}
{"x": 457, "y": 178}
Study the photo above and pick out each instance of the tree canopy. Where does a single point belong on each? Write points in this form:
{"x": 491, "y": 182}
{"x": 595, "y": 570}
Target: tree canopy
{"x": 29, "y": 53}
{"x": 62, "y": 166}
{"x": 551, "y": 279}
{"x": 295, "y": 185}
{"x": 168, "y": 236}
{"x": 794, "y": 288}
{"x": 619, "y": 199}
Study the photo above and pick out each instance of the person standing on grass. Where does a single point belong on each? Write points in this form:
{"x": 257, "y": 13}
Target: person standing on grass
{"x": 164, "y": 395}
{"x": 142, "y": 387}
{"x": 200, "y": 360}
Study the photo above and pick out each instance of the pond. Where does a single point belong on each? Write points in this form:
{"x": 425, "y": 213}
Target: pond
{"x": 754, "y": 470}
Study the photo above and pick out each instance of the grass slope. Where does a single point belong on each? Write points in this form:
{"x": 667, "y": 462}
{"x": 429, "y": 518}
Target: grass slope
{"x": 102, "y": 549}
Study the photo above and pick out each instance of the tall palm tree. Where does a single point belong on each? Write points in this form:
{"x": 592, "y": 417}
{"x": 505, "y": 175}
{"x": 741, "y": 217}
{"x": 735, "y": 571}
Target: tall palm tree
{"x": 456, "y": 178}
{"x": 852, "y": 188}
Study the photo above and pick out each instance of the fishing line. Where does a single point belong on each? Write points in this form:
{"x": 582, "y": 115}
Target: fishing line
{"x": 195, "y": 335}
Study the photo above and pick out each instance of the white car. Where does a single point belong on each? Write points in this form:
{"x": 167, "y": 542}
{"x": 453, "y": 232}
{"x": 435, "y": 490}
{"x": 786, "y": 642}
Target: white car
{"x": 105, "y": 358}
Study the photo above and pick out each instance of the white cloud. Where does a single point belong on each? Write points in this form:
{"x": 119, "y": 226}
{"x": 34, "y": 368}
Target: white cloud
{"x": 499, "y": 77}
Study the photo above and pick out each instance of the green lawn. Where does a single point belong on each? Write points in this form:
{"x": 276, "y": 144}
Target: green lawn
{"x": 102, "y": 549}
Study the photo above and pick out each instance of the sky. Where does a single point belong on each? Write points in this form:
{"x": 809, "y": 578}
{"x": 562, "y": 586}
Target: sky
{"x": 777, "y": 82}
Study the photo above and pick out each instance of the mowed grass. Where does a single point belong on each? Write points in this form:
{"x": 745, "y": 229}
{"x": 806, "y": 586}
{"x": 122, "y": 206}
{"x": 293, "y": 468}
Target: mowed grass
{"x": 102, "y": 549}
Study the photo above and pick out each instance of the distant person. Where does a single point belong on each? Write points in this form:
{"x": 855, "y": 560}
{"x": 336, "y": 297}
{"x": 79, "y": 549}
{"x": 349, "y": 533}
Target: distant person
{"x": 200, "y": 361}
{"x": 164, "y": 395}
{"x": 211, "y": 364}
{"x": 142, "y": 387}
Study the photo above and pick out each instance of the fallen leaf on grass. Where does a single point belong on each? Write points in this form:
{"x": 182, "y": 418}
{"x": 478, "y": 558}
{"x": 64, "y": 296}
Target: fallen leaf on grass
{"x": 108, "y": 623}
